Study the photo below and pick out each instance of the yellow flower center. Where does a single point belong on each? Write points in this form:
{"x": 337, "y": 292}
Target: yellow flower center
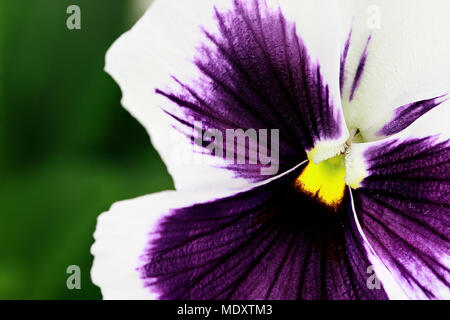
{"x": 324, "y": 180}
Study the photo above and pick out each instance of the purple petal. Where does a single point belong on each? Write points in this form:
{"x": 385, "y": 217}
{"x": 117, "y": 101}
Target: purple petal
{"x": 256, "y": 73}
{"x": 404, "y": 209}
{"x": 272, "y": 242}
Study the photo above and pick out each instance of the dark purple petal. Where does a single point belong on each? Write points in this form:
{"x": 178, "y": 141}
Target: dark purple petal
{"x": 272, "y": 242}
{"x": 404, "y": 209}
{"x": 407, "y": 114}
{"x": 257, "y": 73}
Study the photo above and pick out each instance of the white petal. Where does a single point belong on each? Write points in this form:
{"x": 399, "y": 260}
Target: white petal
{"x": 407, "y": 58}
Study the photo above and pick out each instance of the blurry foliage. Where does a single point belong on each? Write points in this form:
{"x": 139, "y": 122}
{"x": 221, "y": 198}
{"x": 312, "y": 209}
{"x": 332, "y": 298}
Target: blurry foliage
{"x": 68, "y": 150}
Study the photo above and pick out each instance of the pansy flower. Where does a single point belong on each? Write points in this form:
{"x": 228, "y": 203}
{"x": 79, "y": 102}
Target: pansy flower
{"x": 358, "y": 203}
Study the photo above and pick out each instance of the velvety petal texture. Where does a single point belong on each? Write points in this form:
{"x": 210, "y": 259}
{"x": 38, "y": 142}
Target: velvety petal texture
{"x": 403, "y": 203}
{"x": 123, "y": 235}
{"x": 272, "y": 242}
{"x": 256, "y": 73}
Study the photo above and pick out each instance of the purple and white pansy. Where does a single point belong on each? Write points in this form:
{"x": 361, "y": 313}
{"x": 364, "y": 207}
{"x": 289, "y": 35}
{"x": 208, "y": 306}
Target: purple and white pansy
{"x": 340, "y": 185}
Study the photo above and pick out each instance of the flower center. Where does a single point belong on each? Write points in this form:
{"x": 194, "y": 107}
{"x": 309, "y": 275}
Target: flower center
{"x": 325, "y": 180}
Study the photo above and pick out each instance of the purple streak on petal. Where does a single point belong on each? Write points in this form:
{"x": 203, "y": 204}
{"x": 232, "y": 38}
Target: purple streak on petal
{"x": 256, "y": 73}
{"x": 404, "y": 209}
{"x": 407, "y": 114}
{"x": 343, "y": 61}
{"x": 360, "y": 70}
{"x": 272, "y": 242}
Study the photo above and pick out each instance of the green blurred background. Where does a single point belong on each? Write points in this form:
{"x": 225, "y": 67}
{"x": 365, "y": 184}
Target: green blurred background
{"x": 68, "y": 150}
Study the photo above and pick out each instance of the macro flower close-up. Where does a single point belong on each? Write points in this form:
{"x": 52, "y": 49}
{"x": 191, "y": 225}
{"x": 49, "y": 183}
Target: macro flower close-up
{"x": 308, "y": 142}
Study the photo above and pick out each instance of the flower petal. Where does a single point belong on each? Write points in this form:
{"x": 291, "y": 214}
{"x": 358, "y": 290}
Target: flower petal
{"x": 407, "y": 114}
{"x": 250, "y": 65}
{"x": 271, "y": 242}
{"x": 123, "y": 234}
{"x": 397, "y": 57}
{"x": 403, "y": 202}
